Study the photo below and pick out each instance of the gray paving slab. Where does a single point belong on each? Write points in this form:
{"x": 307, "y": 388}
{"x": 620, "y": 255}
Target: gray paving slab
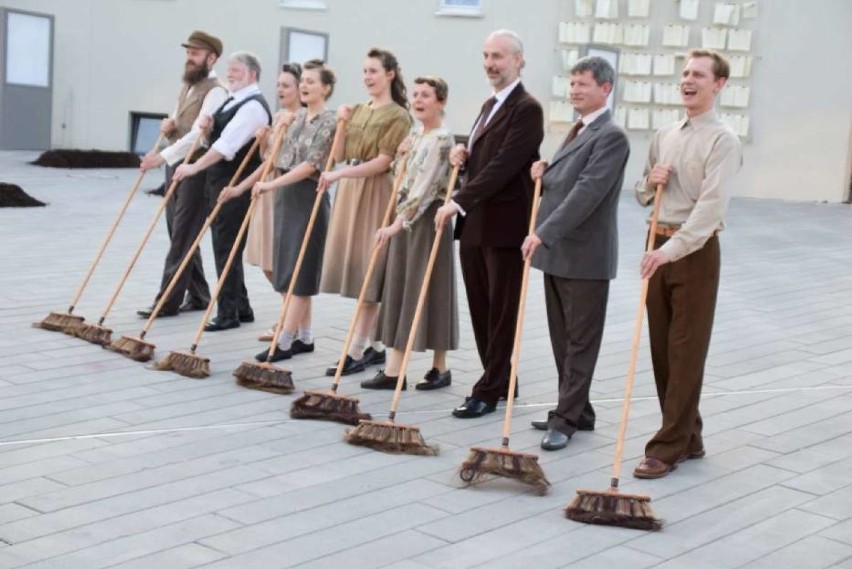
{"x": 104, "y": 463}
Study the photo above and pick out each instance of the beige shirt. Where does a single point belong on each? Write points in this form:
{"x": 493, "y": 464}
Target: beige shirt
{"x": 705, "y": 155}
{"x": 212, "y": 101}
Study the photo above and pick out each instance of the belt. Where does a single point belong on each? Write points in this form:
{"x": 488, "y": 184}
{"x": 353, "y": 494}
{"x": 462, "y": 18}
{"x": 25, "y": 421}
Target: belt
{"x": 353, "y": 162}
{"x": 669, "y": 230}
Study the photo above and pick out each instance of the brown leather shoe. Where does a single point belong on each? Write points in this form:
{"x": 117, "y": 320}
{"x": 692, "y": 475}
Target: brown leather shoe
{"x": 651, "y": 468}
{"x": 700, "y": 453}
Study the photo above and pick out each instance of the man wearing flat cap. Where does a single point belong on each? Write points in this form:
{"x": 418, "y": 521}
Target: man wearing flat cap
{"x": 202, "y": 93}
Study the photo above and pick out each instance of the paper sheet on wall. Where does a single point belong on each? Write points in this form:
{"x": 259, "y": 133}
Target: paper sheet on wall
{"x": 620, "y": 116}
{"x": 606, "y": 9}
{"x": 739, "y": 40}
{"x": 584, "y": 8}
{"x": 638, "y": 119}
{"x": 664, "y": 64}
{"x": 559, "y": 86}
{"x": 561, "y": 112}
{"x": 664, "y": 117}
{"x": 740, "y": 65}
{"x": 735, "y": 96}
{"x": 608, "y": 33}
{"x": 740, "y": 123}
{"x": 688, "y": 9}
{"x": 569, "y": 58}
{"x": 637, "y": 35}
{"x": 675, "y": 35}
{"x": 637, "y": 92}
{"x": 574, "y": 32}
{"x": 726, "y": 14}
{"x": 638, "y": 8}
{"x": 632, "y": 63}
{"x": 713, "y": 38}
{"x": 749, "y": 10}
{"x": 667, "y": 93}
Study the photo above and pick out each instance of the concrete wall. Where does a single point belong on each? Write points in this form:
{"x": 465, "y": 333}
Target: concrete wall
{"x": 114, "y": 56}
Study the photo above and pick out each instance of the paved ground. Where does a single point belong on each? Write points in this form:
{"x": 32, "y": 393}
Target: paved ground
{"x": 104, "y": 463}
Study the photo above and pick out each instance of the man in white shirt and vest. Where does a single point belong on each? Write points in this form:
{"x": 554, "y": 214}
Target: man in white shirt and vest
{"x": 232, "y": 129}
{"x": 202, "y": 93}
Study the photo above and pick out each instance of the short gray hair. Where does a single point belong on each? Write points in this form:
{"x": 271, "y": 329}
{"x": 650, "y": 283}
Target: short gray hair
{"x": 601, "y": 69}
{"x": 513, "y": 37}
{"x": 248, "y": 59}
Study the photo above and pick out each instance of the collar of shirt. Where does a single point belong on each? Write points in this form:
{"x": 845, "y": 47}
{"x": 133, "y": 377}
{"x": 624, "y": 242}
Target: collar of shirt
{"x": 705, "y": 118}
{"x": 591, "y": 117}
{"x": 242, "y": 94}
{"x": 503, "y": 93}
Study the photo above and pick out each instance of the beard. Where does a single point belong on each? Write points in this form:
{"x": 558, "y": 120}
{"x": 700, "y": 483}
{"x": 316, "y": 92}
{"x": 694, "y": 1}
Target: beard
{"x": 192, "y": 73}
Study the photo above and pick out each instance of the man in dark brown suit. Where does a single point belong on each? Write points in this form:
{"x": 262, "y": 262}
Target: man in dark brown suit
{"x": 494, "y": 205}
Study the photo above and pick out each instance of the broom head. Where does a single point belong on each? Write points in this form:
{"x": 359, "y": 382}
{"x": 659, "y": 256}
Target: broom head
{"x": 186, "y": 364}
{"x": 390, "y": 437}
{"x": 611, "y": 508}
{"x": 136, "y": 349}
{"x": 328, "y": 406}
{"x": 94, "y": 333}
{"x": 264, "y": 377}
{"x": 503, "y": 462}
{"x": 60, "y": 322}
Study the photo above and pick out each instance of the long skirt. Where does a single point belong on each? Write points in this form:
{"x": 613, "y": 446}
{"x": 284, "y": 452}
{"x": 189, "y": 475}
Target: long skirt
{"x": 408, "y": 256}
{"x": 293, "y": 205}
{"x": 359, "y": 207}
{"x": 259, "y": 240}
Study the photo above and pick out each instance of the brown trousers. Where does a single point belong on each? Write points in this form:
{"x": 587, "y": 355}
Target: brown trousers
{"x": 681, "y": 305}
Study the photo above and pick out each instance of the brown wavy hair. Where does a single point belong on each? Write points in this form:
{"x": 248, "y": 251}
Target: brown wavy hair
{"x": 390, "y": 63}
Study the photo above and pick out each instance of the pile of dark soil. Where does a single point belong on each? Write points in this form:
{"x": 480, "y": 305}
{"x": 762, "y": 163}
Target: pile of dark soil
{"x": 13, "y": 196}
{"x": 87, "y": 159}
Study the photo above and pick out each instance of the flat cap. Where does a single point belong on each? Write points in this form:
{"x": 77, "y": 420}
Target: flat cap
{"x": 203, "y": 40}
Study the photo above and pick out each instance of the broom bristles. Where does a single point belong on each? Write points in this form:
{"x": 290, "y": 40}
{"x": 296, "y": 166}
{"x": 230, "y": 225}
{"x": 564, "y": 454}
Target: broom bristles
{"x": 264, "y": 377}
{"x": 505, "y": 463}
{"x": 94, "y": 333}
{"x": 59, "y": 322}
{"x": 390, "y": 437}
{"x": 134, "y": 348}
{"x": 613, "y": 509}
{"x": 188, "y": 365}
{"x": 325, "y": 406}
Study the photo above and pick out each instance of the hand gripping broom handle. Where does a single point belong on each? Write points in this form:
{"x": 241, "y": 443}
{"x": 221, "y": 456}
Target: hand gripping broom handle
{"x": 188, "y": 257}
{"x": 148, "y": 233}
{"x": 367, "y": 277}
{"x": 634, "y": 349}
{"x": 267, "y": 167}
{"x": 516, "y": 349}
{"x": 421, "y": 300}
{"x": 297, "y": 268}
{"x": 109, "y": 234}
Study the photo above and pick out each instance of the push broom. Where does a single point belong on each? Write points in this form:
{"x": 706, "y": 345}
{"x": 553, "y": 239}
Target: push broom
{"x": 610, "y": 507}
{"x": 502, "y": 461}
{"x": 65, "y": 321}
{"x": 136, "y": 348}
{"x": 330, "y": 405}
{"x": 388, "y": 436}
{"x": 98, "y": 333}
{"x": 265, "y": 376}
{"x": 188, "y": 363}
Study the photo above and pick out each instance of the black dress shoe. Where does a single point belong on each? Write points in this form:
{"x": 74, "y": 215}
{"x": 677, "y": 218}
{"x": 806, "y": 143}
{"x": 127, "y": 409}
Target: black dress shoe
{"x": 473, "y": 408}
{"x": 349, "y": 366}
{"x": 554, "y": 440}
{"x": 299, "y": 347}
{"x": 373, "y": 358}
{"x": 246, "y": 316}
{"x": 542, "y": 426}
{"x": 277, "y": 355}
{"x": 219, "y": 325}
{"x": 382, "y": 381}
{"x": 191, "y": 306}
{"x": 147, "y": 312}
{"x": 434, "y": 380}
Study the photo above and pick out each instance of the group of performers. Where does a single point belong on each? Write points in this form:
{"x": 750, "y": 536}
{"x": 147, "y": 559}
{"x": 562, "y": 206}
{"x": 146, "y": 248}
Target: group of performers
{"x": 575, "y": 243}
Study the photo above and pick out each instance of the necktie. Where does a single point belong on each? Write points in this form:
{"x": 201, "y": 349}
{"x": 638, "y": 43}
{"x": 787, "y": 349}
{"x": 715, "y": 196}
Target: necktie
{"x": 483, "y": 116}
{"x": 572, "y": 134}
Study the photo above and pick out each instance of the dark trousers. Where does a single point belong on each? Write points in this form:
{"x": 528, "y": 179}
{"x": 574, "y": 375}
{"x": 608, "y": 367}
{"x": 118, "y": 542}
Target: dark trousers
{"x": 576, "y": 310}
{"x": 233, "y": 298}
{"x": 185, "y": 215}
{"x": 681, "y": 305}
{"x": 492, "y": 279}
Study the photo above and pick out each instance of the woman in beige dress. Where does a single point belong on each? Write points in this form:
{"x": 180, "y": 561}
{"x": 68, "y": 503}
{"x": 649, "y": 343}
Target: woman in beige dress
{"x": 411, "y": 236}
{"x": 374, "y": 131}
{"x": 258, "y": 250}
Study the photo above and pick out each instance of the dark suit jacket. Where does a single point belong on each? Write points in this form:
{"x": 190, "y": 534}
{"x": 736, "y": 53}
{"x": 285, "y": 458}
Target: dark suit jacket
{"x": 497, "y": 189}
{"x": 577, "y": 220}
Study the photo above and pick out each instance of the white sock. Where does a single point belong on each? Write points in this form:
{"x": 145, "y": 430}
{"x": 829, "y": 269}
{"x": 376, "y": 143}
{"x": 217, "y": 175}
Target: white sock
{"x": 377, "y": 345}
{"x": 285, "y": 340}
{"x": 305, "y": 335}
{"x": 356, "y": 349}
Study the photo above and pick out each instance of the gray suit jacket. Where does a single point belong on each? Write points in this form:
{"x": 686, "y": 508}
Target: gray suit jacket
{"x": 577, "y": 220}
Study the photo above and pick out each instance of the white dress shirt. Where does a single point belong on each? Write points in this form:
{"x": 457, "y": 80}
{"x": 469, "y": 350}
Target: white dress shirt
{"x": 245, "y": 123}
{"x": 213, "y": 100}
{"x": 501, "y": 97}
{"x": 590, "y": 118}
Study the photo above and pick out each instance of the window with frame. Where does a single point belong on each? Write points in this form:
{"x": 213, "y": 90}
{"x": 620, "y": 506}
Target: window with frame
{"x": 460, "y": 7}
{"x": 303, "y": 4}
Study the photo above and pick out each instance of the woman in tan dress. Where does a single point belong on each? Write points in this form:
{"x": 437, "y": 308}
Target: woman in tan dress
{"x": 411, "y": 236}
{"x": 374, "y": 131}
{"x": 258, "y": 250}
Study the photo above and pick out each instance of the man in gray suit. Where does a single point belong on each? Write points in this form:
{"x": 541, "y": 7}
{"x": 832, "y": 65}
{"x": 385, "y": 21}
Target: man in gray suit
{"x": 576, "y": 244}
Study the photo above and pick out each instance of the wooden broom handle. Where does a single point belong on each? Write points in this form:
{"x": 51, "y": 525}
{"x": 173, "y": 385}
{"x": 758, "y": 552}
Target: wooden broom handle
{"x": 267, "y": 167}
{"x": 111, "y": 232}
{"x": 634, "y": 348}
{"x": 421, "y": 300}
{"x": 516, "y": 349}
{"x": 148, "y": 233}
{"x": 195, "y": 244}
{"x": 367, "y": 277}
{"x": 297, "y": 268}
